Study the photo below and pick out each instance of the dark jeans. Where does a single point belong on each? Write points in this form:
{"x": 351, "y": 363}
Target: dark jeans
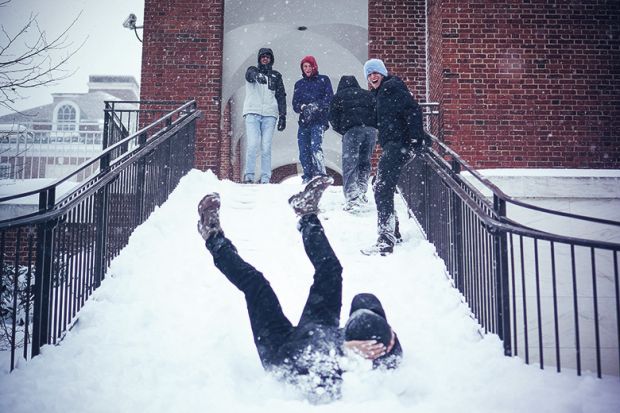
{"x": 270, "y": 327}
{"x": 393, "y": 158}
{"x": 310, "y": 141}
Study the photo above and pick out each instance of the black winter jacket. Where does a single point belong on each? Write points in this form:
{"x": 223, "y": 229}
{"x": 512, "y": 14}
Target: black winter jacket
{"x": 399, "y": 117}
{"x": 351, "y": 106}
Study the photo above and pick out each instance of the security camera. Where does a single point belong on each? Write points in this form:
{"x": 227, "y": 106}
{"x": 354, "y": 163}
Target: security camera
{"x": 130, "y": 22}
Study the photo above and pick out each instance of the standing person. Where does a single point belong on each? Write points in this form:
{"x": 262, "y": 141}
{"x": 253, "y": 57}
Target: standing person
{"x": 311, "y": 98}
{"x": 308, "y": 354}
{"x": 401, "y": 132}
{"x": 352, "y": 114}
{"x": 264, "y": 104}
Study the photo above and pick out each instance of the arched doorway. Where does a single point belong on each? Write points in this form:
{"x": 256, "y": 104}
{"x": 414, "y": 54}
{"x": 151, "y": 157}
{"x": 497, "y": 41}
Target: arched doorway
{"x": 336, "y": 33}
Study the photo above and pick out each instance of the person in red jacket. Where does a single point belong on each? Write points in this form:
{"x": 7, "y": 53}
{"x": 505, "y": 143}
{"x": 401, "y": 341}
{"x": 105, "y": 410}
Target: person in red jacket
{"x": 311, "y": 98}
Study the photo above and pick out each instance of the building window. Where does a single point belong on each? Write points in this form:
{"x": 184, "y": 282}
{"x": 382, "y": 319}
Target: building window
{"x": 5, "y": 171}
{"x": 66, "y": 118}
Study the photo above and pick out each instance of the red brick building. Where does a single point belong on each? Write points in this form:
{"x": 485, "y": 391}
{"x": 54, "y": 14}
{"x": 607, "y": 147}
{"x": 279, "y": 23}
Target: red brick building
{"x": 520, "y": 83}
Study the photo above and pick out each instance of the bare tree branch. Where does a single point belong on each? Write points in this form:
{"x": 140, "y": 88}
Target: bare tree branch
{"x": 28, "y": 60}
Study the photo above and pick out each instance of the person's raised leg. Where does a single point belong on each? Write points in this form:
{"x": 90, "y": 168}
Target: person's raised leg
{"x": 325, "y": 297}
{"x": 270, "y": 326}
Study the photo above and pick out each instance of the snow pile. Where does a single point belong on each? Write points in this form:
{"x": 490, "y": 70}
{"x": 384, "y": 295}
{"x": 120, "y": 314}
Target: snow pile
{"x": 167, "y": 332}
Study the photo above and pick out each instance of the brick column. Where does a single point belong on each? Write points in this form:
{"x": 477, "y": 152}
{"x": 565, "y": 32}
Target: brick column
{"x": 182, "y": 60}
{"x": 396, "y": 35}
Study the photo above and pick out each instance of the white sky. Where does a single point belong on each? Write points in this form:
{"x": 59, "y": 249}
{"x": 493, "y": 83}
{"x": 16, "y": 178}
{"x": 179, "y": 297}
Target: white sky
{"x": 109, "y": 48}
{"x": 167, "y": 332}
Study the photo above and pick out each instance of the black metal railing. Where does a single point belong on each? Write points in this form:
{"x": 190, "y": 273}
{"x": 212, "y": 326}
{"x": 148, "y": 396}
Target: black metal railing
{"x": 53, "y": 259}
{"x": 553, "y": 299}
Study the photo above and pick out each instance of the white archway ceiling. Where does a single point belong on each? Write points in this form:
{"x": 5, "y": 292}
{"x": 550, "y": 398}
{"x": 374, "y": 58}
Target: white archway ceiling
{"x": 336, "y": 34}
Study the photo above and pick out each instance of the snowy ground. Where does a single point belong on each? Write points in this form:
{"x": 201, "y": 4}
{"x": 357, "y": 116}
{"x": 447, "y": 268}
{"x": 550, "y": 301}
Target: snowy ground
{"x": 167, "y": 332}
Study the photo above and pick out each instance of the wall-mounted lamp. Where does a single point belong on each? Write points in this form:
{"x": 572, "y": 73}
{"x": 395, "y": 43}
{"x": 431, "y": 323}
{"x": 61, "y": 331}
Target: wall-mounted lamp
{"x": 130, "y": 23}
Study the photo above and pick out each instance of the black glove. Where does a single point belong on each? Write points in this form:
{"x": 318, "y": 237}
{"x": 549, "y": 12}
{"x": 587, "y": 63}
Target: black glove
{"x": 281, "y": 123}
{"x": 309, "y": 112}
{"x": 260, "y": 78}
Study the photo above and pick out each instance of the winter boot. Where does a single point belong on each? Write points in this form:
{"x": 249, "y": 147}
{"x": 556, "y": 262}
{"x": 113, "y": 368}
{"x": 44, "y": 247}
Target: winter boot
{"x": 307, "y": 201}
{"x": 383, "y": 246}
{"x": 209, "y": 212}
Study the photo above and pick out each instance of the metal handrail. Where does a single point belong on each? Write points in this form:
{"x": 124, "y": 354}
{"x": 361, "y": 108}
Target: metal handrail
{"x": 66, "y": 246}
{"x": 505, "y": 197}
{"x": 550, "y": 298}
{"x": 104, "y": 152}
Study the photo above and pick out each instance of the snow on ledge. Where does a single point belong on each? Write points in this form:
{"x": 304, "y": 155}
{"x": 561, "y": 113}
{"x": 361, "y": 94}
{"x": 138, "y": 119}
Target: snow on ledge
{"x": 552, "y": 183}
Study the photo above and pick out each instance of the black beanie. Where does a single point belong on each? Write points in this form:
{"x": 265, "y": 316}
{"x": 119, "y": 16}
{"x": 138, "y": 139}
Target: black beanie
{"x": 365, "y": 324}
{"x": 369, "y": 302}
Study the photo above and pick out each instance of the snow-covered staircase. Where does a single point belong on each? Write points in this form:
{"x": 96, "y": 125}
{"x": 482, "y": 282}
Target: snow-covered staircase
{"x": 167, "y": 332}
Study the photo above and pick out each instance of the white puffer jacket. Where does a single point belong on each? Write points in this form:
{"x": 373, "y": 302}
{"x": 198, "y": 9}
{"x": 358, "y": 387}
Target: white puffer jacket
{"x": 259, "y": 99}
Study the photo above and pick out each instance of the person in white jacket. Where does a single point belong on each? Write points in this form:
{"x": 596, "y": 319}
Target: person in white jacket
{"x": 264, "y": 105}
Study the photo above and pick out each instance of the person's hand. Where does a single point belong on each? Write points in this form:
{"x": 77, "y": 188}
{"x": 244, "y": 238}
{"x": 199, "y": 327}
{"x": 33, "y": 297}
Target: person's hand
{"x": 368, "y": 349}
{"x": 311, "y": 107}
{"x": 281, "y": 123}
{"x": 260, "y": 78}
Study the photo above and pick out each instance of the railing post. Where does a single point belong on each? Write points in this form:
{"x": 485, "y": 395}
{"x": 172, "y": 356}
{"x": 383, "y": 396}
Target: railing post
{"x": 106, "y": 125}
{"x": 43, "y": 271}
{"x": 101, "y": 204}
{"x": 501, "y": 271}
{"x": 457, "y": 230}
{"x": 168, "y": 163}
{"x": 140, "y": 179}
{"x": 425, "y": 198}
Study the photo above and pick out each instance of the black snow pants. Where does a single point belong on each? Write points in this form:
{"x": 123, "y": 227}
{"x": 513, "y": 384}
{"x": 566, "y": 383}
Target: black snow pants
{"x": 391, "y": 163}
{"x": 270, "y": 327}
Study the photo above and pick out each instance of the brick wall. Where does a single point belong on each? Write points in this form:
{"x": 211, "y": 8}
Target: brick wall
{"x": 528, "y": 83}
{"x": 182, "y": 60}
{"x": 521, "y": 83}
{"x": 396, "y": 35}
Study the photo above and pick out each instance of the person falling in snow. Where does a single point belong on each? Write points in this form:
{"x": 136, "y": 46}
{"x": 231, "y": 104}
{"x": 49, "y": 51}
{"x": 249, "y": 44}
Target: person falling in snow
{"x": 309, "y": 354}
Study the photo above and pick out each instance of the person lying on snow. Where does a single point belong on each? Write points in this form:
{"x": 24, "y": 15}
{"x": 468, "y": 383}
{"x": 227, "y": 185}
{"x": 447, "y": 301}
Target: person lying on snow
{"x": 310, "y": 354}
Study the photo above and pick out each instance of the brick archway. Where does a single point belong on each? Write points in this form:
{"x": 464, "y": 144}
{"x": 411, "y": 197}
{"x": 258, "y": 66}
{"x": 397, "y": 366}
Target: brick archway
{"x": 286, "y": 171}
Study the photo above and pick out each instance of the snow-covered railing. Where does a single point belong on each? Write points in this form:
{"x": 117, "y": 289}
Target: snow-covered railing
{"x": 54, "y": 258}
{"x": 552, "y": 299}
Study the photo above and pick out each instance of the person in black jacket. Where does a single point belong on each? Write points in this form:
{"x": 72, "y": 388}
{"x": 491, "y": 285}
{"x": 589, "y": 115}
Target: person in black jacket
{"x": 352, "y": 114}
{"x": 308, "y": 354}
{"x": 401, "y": 133}
{"x": 264, "y": 105}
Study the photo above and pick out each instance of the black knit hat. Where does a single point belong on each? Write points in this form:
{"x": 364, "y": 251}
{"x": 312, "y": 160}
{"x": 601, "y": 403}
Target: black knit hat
{"x": 369, "y": 302}
{"x": 365, "y": 324}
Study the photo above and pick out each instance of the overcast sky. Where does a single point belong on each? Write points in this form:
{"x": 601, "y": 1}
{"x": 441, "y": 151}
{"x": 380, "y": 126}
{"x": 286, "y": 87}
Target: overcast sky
{"x": 109, "y": 48}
